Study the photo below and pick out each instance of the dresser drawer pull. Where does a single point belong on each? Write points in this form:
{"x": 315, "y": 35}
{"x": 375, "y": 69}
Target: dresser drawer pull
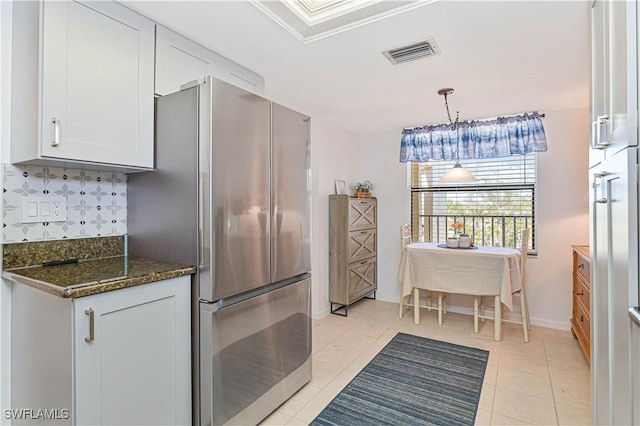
{"x": 581, "y": 318}
{"x": 581, "y": 266}
{"x": 581, "y": 293}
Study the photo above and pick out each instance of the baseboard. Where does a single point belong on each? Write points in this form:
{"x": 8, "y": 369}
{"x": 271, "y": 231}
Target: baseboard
{"x": 321, "y": 313}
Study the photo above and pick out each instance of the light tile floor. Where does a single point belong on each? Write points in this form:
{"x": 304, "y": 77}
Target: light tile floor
{"x": 543, "y": 382}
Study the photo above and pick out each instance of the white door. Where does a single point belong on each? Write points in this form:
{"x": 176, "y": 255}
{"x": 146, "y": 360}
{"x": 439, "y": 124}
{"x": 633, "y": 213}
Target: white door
{"x": 133, "y": 365}
{"x": 97, "y": 84}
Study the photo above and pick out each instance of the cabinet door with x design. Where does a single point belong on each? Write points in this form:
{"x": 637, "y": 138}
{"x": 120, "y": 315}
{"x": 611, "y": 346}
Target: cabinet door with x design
{"x": 353, "y": 247}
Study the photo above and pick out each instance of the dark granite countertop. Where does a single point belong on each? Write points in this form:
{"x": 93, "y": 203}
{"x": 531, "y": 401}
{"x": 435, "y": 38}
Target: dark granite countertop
{"x": 93, "y": 276}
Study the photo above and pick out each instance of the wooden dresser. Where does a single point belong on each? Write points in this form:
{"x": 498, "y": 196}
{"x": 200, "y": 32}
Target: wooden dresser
{"x": 353, "y": 250}
{"x": 581, "y": 320}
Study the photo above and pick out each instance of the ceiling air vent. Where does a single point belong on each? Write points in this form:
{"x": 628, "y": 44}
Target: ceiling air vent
{"x": 413, "y": 52}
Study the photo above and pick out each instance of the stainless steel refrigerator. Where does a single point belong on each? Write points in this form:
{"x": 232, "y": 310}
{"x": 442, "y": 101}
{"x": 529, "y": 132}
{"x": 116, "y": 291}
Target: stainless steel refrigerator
{"x": 230, "y": 193}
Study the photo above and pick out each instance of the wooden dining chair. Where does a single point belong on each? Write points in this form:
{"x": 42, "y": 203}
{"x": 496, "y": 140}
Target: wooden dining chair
{"x": 405, "y": 301}
{"x": 478, "y": 307}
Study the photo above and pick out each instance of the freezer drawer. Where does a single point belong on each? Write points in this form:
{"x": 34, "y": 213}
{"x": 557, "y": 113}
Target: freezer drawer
{"x": 255, "y": 354}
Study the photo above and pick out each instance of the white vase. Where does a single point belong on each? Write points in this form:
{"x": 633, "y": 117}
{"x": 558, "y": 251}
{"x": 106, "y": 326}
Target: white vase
{"x": 464, "y": 241}
{"x": 452, "y": 242}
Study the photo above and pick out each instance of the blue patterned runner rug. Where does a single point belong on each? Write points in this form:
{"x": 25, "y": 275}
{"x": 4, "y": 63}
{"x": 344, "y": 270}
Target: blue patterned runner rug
{"x": 412, "y": 381}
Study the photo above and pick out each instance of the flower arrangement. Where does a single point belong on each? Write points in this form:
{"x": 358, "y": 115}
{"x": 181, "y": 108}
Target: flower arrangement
{"x": 362, "y": 186}
{"x": 458, "y": 228}
{"x": 362, "y": 189}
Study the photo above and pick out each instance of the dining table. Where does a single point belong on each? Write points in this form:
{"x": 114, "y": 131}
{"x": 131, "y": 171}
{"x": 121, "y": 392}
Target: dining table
{"x": 477, "y": 271}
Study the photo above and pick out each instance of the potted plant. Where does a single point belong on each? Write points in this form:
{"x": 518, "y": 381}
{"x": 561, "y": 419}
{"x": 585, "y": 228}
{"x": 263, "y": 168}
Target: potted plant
{"x": 362, "y": 189}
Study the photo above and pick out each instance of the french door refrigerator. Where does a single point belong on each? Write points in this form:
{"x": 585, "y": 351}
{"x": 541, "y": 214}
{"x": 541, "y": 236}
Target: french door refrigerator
{"x": 230, "y": 194}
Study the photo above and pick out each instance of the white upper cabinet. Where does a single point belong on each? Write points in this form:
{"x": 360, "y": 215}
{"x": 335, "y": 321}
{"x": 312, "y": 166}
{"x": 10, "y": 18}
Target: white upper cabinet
{"x": 611, "y": 79}
{"x": 180, "y": 60}
{"x": 95, "y": 67}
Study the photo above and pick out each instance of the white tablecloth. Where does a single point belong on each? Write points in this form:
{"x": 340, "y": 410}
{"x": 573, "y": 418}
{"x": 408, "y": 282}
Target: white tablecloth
{"x": 483, "y": 271}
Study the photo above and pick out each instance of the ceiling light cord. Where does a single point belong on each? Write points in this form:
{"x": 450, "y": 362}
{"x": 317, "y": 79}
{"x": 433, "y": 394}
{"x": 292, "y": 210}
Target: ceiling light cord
{"x": 457, "y": 173}
{"x": 452, "y": 124}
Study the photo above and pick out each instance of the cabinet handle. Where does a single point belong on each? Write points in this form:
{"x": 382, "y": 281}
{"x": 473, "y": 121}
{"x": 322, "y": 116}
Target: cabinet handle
{"x": 56, "y": 132}
{"x": 581, "y": 293}
{"x": 596, "y": 141}
{"x": 594, "y": 185}
{"x": 89, "y": 312}
{"x": 581, "y": 318}
{"x": 581, "y": 266}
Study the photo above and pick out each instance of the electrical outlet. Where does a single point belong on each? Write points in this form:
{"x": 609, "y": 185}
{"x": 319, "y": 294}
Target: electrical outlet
{"x": 44, "y": 208}
{"x": 56, "y": 210}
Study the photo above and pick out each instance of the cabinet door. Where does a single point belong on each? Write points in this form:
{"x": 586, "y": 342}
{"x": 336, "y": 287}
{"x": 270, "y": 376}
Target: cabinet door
{"x": 97, "y": 84}
{"x": 600, "y": 253}
{"x": 599, "y": 80}
{"x": 611, "y": 92}
{"x": 180, "y": 60}
{"x": 362, "y": 214}
{"x": 135, "y": 367}
{"x": 618, "y": 85}
{"x": 362, "y": 244}
{"x": 363, "y": 278}
{"x": 613, "y": 247}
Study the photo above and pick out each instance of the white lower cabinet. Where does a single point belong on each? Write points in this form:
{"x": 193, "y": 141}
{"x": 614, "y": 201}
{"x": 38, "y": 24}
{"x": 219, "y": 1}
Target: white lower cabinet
{"x": 120, "y": 357}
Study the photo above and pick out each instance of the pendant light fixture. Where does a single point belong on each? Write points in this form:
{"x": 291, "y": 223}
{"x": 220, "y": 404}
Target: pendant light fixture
{"x": 456, "y": 174}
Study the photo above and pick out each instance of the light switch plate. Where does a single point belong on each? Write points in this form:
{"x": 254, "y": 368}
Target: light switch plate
{"x": 44, "y": 208}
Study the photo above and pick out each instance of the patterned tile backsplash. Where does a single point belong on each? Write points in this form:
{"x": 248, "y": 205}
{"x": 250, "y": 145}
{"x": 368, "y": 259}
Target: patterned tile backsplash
{"x": 96, "y": 202}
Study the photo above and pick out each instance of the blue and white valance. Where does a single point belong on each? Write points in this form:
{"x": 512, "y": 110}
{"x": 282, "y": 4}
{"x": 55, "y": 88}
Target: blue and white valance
{"x": 499, "y": 137}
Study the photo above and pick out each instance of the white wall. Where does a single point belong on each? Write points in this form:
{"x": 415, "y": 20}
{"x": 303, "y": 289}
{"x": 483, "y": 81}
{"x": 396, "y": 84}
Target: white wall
{"x": 334, "y": 155}
{"x": 562, "y": 214}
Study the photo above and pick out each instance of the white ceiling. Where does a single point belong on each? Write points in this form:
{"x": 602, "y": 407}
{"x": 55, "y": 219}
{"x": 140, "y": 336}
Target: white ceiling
{"x": 501, "y": 57}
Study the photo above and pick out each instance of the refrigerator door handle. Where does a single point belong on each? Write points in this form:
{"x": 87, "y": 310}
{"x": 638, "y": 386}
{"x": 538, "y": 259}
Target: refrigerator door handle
{"x": 634, "y": 314}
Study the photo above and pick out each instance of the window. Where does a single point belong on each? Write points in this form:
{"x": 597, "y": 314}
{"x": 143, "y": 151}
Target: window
{"x": 494, "y": 211}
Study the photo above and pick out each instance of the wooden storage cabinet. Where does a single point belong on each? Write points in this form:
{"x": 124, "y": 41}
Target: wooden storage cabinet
{"x": 82, "y": 85}
{"x": 581, "y": 319}
{"x": 120, "y": 357}
{"x": 353, "y": 250}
